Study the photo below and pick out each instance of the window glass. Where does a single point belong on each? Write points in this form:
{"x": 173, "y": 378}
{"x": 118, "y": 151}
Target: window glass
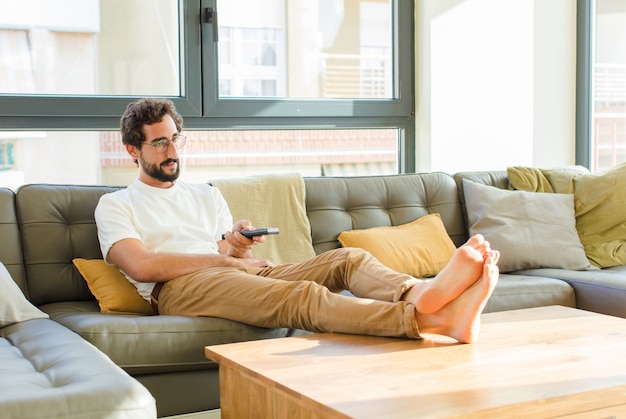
{"x": 88, "y": 51}
{"x": 609, "y": 85}
{"x": 306, "y": 49}
{"x": 42, "y": 157}
{"x": 65, "y": 79}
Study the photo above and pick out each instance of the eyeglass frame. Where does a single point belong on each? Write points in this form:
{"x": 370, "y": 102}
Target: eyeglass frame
{"x": 178, "y": 140}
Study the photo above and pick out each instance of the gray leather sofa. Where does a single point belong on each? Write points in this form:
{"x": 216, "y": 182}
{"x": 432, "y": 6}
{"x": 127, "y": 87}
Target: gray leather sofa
{"x": 53, "y": 224}
{"x": 47, "y": 370}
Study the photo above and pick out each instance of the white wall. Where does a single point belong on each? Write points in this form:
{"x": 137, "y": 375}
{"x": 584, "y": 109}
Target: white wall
{"x": 495, "y": 83}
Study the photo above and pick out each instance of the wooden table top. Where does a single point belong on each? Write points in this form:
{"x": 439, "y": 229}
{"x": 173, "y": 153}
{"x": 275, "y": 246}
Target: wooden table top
{"x": 539, "y": 362}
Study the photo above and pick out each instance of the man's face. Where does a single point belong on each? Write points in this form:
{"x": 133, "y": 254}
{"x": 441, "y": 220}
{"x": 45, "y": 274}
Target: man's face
{"x": 162, "y": 167}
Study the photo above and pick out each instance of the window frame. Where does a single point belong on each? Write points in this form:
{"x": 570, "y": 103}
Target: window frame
{"x": 584, "y": 81}
{"x": 229, "y": 107}
{"x": 86, "y": 112}
{"x": 202, "y": 108}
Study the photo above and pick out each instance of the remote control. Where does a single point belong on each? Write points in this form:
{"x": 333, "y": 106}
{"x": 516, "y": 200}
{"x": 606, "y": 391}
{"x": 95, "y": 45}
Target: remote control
{"x": 257, "y": 232}
{"x": 260, "y": 232}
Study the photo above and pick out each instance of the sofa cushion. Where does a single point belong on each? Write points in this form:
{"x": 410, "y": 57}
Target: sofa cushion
{"x": 50, "y": 372}
{"x": 600, "y": 291}
{"x": 531, "y": 230}
{"x": 420, "y": 248}
{"x": 518, "y": 290}
{"x": 115, "y": 294}
{"x": 154, "y": 344}
{"x": 14, "y": 307}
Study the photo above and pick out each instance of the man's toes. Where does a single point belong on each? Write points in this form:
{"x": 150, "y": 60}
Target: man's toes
{"x": 476, "y": 240}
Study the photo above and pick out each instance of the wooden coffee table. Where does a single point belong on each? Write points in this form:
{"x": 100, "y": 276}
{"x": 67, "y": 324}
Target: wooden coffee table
{"x": 541, "y": 362}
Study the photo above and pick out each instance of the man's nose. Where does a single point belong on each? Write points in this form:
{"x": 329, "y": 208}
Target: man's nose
{"x": 172, "y": 151}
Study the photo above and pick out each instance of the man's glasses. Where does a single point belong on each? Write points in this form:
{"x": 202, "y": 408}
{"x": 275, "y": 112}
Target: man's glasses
{"x": 161, "y": 146}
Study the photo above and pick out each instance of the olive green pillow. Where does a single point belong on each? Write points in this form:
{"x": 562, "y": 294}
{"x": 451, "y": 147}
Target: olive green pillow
{"x": 530, "y": 179}
{"x": 601, "y": 216}
{"x": 599, "y": 206}
{"x": 420, "y": 248}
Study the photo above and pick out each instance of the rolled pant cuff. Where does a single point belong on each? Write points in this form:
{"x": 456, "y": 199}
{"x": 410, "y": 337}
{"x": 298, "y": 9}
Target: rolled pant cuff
{"x": 410, "y": 322}
{"x": 407, "y": 285}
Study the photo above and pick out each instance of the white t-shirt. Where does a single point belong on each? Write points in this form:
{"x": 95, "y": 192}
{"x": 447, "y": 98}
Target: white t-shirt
{"x": 185, "y": 218}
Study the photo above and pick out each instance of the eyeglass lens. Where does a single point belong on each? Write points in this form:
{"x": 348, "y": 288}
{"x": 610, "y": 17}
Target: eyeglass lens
{"x": 178, "y": 141}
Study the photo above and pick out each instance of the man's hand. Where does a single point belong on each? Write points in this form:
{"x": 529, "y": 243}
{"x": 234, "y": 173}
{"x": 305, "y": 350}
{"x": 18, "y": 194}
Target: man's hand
{"x": 239, "y": 245}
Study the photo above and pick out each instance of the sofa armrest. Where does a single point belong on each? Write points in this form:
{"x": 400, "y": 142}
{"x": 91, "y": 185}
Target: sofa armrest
{"x": 49, "y": 371}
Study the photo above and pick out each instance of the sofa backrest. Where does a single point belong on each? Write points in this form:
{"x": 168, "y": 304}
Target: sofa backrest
{"x": 57, "y": 225}
{"x": 336, "y": 204}
{"x": 10, "y": 242}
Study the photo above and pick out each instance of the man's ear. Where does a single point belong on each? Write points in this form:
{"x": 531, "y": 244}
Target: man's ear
{"x": 133, "y": 151}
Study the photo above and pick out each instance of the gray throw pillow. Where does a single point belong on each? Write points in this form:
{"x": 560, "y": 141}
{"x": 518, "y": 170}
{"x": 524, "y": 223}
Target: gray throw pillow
{"x": 530, "y": 229}
{"x": 14, "y": 307}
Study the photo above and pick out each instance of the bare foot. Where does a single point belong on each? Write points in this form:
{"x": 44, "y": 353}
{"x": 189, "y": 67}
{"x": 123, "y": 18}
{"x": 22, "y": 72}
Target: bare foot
{"x": 460, "y": 319}
{"x": 464, "y": 269}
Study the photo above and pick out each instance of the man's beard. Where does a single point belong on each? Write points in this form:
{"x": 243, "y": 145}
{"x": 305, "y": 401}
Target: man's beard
{"x": 156, "y": 171}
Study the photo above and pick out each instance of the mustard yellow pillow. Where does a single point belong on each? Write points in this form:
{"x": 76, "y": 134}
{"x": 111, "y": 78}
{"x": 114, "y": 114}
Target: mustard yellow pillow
{"x": 111, "y": 288}
{"x": 420, "y": 248}
{"x": 600, "y": 201}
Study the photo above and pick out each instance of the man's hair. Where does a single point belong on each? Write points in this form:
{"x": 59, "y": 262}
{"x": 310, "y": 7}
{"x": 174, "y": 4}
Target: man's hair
{"x": 146, "y": 111}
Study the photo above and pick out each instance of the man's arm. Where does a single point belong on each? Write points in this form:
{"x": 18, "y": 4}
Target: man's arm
{"x": 131, "y": 256}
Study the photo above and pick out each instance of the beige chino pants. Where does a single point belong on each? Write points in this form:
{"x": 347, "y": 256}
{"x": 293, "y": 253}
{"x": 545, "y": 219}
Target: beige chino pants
{"x": 301, "y": 295}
